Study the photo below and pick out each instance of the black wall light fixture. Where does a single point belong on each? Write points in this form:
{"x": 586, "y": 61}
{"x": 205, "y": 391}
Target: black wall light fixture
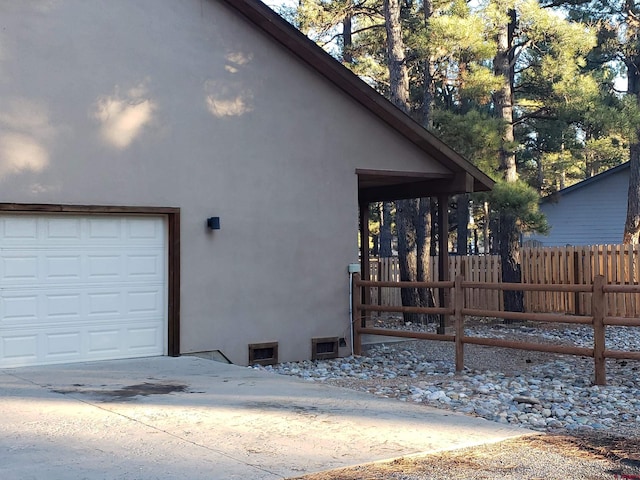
{"x": 213, "y": 223}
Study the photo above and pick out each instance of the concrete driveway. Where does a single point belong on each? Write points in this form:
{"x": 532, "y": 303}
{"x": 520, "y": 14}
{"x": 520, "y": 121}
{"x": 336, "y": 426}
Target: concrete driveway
{"x": 191, "y": 418}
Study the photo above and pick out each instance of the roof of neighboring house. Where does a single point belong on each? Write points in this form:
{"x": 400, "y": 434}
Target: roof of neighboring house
{"x": 304, "y": 48}
{"x": 584, "y": 183}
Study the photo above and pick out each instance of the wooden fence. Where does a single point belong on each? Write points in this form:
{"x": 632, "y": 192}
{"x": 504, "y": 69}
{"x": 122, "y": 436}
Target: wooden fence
{"x": 475, "y": 268}
{"x": 618, "y": 264}
{"x": 458, "y": 308}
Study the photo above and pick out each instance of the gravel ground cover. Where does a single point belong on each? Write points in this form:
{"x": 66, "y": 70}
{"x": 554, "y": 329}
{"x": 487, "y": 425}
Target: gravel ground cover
{"x": 545, "y": 392}
{"x": 548, "y": 457}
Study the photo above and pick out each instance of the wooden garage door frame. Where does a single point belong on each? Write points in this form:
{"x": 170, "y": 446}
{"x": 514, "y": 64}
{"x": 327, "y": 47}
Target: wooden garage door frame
{"x": 173, "y": 261}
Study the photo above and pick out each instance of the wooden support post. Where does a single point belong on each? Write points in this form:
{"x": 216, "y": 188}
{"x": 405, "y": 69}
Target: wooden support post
{"x": 443, "y": 257}
{"x": 379, "y": 292}
{"x": 355, "y": 310}
{"x": 458, "y": 293}
{"x": 598, "y": 312}
{"x": 364, "y": 255}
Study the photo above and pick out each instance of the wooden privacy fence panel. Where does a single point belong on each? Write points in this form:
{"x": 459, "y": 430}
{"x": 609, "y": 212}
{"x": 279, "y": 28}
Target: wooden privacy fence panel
{"x": 385, "y": 270}
{"x": 474, "y": 268}
{"x": 618, "y": 264}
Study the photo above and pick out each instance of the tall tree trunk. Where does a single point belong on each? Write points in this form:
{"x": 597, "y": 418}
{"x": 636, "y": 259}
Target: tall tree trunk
{"x": 632, "y": 224}
{"x": 429, "y": 91}
{"x": 347, "y": 41}
{"x": 509, "y": 236}
{"x": 510, "y": 256}
{"x": 485, "y": 230}
{"x": 462, "y": 205}
{"x": 434, "y": 227}
{"x": 475, "y": 241}
{"x": 406, "y": 210}
{"x": 398, "y": 76}
{"x": 385, "y": 231}
{"x": 423, "y": 254}
{"x": 425, "y": 225}
{"x": 407, "y": 261}
{"x": 303, "y": 21}
{"x": 504, "y": 98}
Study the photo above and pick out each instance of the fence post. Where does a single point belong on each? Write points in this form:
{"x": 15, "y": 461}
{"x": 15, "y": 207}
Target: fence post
{"x": 355, "y": 312}
{"x": 458, "y": 318}
{"x": 598, "y": 312}
{"x": 576, "y": 281}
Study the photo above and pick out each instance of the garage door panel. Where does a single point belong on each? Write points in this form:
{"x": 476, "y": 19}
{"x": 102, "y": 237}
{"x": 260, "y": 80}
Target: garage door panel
{"x": 16, "y": 266}
{"x": 146, "y": 266}
{"x": 62, "y": 306}
{"x": 18, "y": 309}
{"x": 62, "y": 267}
{"x": 144, "y": 301}
{"x": 19, "y": 349}
{"x": 104, "y": 340}
{"x": 63, "y": 344}
{"x": 86, "y": 288}
{"x": 19, "y": 229}
{"x": 143, "y": 229}
{"x": 104, "y": 304}
{"x": 69, "y": 228}
{"x": 104, "y": 267}
{"x": 104, "y": 228}
{"x": 143, "y": 339}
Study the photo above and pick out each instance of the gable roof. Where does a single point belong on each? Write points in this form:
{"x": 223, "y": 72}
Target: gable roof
{"x": 554, "y": 197}
{"x": 306, "y": 50}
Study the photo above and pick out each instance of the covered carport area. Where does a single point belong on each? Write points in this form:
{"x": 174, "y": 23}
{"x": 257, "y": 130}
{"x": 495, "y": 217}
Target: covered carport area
{"x": 387, "y": 186}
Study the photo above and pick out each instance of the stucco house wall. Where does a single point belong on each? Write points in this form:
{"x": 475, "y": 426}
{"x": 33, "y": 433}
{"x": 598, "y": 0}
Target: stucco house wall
{"x": 183, "y": 103}
{"x": 591, "y": 212}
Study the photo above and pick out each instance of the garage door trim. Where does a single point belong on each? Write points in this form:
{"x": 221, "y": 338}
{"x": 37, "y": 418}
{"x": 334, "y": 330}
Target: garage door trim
{"x": 173, "y": 261}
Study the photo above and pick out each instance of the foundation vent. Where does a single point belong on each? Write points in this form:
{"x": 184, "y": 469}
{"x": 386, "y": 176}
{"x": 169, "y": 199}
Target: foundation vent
{"x": 324, "y": 348}
{"x": 263, "y": 353}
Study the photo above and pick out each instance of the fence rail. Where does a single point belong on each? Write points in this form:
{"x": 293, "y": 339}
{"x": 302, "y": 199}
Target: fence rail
{"x": 458, "y": 307}
{"x": 618, "y": 264}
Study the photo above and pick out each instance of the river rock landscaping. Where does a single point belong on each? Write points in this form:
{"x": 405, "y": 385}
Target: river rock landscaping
{"x": 540, "y": 391}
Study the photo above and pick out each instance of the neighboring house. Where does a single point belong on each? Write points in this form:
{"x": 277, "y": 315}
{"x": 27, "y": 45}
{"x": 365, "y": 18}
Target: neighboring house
{"x": 126, "y": 124}
{"x": 591, "y": 212}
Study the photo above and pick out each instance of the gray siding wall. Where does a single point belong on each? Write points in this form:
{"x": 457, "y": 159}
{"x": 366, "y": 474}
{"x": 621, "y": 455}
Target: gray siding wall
{"x": 589, "y": 215}
{"x": 181, "y": 103}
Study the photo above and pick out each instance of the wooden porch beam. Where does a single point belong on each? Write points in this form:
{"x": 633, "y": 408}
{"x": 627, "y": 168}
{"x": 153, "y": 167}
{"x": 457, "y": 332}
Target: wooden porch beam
{"x": 461, "y": 182}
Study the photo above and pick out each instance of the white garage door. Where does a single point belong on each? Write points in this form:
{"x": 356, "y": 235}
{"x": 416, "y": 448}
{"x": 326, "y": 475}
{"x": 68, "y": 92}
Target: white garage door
{"x": 77, "y": 288}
